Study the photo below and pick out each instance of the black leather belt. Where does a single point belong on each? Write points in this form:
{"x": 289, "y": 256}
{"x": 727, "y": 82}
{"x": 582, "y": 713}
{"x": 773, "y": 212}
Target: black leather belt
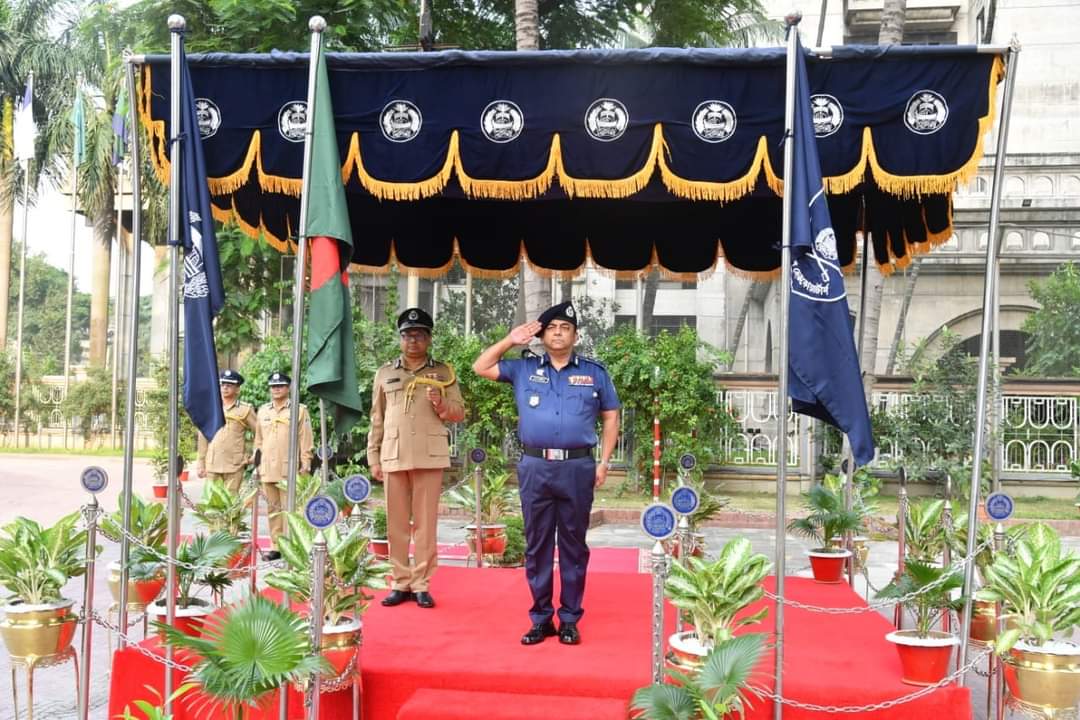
{"x": 558, "y": 453}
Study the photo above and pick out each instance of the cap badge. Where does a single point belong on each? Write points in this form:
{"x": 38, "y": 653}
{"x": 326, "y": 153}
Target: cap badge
{"x": 413, "y": 315}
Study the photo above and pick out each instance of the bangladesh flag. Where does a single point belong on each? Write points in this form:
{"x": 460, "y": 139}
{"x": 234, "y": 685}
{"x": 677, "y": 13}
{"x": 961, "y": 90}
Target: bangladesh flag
{"x": 331, "y": 363}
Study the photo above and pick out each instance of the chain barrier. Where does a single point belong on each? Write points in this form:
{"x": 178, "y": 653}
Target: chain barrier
{"x": 891, "y": 602}
{"x": 272, "y": 564}
{"x": 137, "y": 646}
{"x": 344, "y": 679}
{"x": 885, "y": 704}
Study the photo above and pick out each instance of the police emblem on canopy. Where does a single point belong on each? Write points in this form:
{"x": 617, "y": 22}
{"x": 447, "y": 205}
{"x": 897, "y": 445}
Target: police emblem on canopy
{"x": 713, "y": 121}
{"x": 827, "y": 113}
{"x": 292, "y": 120}
{"x": 502, "y": 121}
{"x": 400, "y": 121}
{"x": 926, "y": 112}
{"x": 208, "y": 116}
{"x": 606, "y": 120}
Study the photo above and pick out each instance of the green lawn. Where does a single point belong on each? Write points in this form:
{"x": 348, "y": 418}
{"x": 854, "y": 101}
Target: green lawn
{"x": 98, "y": 452}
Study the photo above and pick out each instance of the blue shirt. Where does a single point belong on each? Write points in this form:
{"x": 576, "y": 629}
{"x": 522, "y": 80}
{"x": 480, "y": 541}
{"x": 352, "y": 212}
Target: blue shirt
{"x": 559, "y": 408}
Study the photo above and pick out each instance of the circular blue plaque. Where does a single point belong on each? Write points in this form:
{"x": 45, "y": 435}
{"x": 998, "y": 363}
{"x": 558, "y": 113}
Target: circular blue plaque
{"x": 685, "y": 500}
{"x": 94, "y": 479}
{"x": 999, "y": 506}
{"x": 321, "y": 512}
{"x": 357, "y": 488}
{"x": 478, "y": 455}
{"x": 687, "y": 461}
{"x": 324, "y": 452}
{"x": 658, "y": 521}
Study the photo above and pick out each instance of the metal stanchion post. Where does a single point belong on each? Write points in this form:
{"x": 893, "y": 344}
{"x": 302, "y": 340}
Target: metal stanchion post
{"x": 659, "y": 576}
{"x": 318, "y": 570}
{"x": 255, "y": 553}
{"x": 479, "y": 536}
{"x": 946, "y": 553}
{"x": 901, "y": 526}
{"x": 997, "y": 668}
{"x": 91, "y": 515}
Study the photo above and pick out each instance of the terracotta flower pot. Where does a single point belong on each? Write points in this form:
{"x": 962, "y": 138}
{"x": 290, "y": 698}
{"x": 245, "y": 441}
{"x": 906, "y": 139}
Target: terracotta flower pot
{"x": 183, "y": 475}
{"x": 493, "y": 538}
{"x": 188, "y": 620}
{"x": 925, "y": 660}
{"x": 380, "y": 547}
{"x": 161, "y": 491}
{"x": 140, "y": 592}
{"x": 828, "y": 565}
{"x": 1045, "y": 679}
{"x": 36, "y": 632}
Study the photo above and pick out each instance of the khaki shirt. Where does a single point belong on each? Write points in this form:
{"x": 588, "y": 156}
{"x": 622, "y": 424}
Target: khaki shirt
{"x": 273, "y": 440}
{"x": 226, "y": 453}
{"x": 414, "y": 438}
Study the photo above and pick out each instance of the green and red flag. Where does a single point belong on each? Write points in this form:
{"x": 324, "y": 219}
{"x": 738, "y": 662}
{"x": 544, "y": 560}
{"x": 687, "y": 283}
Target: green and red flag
{"x": 331, "y": 362}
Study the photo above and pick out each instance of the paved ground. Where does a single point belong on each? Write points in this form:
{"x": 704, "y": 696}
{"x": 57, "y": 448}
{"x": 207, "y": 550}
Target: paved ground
{"x": 46, "y": 487}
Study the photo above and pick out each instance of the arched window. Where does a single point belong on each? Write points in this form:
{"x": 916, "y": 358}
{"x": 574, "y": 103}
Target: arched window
{"x": 1042, "y": 185}
{"x": 982, "y": 240}
{"x": 1014, "y": 240}
{"x": 953, "y": 243}
{"x": 1014, "y": 185}
{"x": 1040, "y": 241}
{"x": 1070, "y": 186}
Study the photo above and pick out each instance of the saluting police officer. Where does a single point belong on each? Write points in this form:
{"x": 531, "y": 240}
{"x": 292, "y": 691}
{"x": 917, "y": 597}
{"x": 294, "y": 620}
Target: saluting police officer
{"x": 273, "y": 441}
{"x": 414, "y": 397}
{"x": 225, "y": 457}
{"x": 559, "y": 397}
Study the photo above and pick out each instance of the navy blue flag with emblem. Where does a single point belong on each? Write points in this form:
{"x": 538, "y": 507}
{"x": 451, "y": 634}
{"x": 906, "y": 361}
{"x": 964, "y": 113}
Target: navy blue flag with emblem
{"x": 824, "y": 378}
{"x": 203, "y": 293}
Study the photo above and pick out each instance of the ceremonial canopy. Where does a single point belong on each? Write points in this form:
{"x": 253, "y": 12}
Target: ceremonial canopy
{"x": 631, "y": 158}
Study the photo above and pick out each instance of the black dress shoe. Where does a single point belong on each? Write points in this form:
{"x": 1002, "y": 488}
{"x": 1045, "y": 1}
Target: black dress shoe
{"x": 271, "y": 555}
{"x": 424, "y": 599}
{"x": 396, "y": 597}
{"x": 538, "y": 632}
{"x": 568, "y": 634}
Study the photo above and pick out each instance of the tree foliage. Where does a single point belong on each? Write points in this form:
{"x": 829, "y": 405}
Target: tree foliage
{"x": 250, "y": 273}
{"x": 1054, "y": 329}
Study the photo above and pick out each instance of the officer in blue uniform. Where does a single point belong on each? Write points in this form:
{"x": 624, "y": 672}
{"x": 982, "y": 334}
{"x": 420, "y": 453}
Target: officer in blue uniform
{"x": 559, "y": 398}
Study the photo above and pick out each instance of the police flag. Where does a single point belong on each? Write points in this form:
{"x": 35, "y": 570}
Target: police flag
{"x": 203, "y": 293}
{"x": 824, "y": 379}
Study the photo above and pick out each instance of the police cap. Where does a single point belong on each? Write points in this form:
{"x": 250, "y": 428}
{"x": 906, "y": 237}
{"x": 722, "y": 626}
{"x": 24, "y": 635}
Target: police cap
{"x": 231, "y": 377}
{"x": 278, "y": 378}
{"x": 414, "y": 318}
{"x": 562, "y": 311}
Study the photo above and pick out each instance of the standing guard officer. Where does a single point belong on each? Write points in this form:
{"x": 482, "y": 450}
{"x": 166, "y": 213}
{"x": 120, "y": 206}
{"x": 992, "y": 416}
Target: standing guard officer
{"x": 273, "y": 441}
{"x": 409, "y": 448}
{"x": 559, "y": 397}
{"x": 225, "y": 457}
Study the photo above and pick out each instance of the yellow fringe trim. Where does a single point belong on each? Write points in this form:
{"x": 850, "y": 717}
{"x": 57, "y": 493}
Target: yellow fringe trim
{"x": 511, "y": 189}
{"x": 385, "y": 190}
{"x": 839, "y": 184}
{"x": 619, "y": 187}
{"x": 232, "y": 216}
{"x": 714, "y": 191}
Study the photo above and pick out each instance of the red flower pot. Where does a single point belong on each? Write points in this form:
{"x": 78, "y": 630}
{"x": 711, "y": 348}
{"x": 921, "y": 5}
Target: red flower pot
{"x": 161, "y": 491}
{"x": 828, "y": 567}
{"x": 925, "y": 661}
{"x": 380, "y": 548}
{"x": 183, "y": 475}
{"x": 187, "y": 620}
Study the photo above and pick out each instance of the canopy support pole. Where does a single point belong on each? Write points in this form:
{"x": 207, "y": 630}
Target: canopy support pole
{"x": 792, "y": 22}
{"x": 990, "y": 290}
{"x": 849, "y": 459}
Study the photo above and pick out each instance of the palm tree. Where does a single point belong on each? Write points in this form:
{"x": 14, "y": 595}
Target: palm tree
{"x": 248, "y": 652}
{"x": 26, "y": 45}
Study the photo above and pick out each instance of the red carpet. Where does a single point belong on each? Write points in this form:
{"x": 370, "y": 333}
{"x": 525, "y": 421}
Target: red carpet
{"x": 470, "y": 643}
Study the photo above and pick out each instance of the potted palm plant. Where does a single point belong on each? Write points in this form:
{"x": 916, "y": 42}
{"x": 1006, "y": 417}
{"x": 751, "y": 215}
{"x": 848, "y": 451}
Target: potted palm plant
{"x": 924, "y": 531}
{"x": 720, "y": 689}
{"x": 826, "y": 524}
{"x": 351, "y": 569}
{"x": 497, "y": 500}
{"x": 146, "y": 572}
{"x": 378, "y": 542}
{"x": 1038, "y": 585}
{"x": 711, "y": 595}
{"x": 201, "y": 562}
{"x": 246, "y": 653}
{"x": 35, "y": 564}
{"x": 925, "y": 652}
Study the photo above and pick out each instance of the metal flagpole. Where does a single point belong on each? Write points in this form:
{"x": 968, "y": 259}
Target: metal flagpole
{"x": 22, "y": 294}
{"x": 316, "y": 24}
{"x": 849, "y": 459}
{"x": 996, "y": 408}
{"x": 792, "y": 22}
{"x": 119, "y": 295}
{"x": 989, "y": 290}
{"x": 133, "y": 347}
{"x": 468, "y": 303}
{"x": 71, "y": 261}
{"x": 177, "y": 25}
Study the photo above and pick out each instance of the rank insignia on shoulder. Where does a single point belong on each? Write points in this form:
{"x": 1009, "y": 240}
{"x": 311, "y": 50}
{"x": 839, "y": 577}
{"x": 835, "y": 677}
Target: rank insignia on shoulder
{"x": 586, "y": 380}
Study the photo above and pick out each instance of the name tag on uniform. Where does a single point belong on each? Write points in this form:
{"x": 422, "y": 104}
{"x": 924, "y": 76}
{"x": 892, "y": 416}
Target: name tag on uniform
{"x": 586, "y": 380}
{"x": 393, "y": 380}
{"x": 538, "y": 379}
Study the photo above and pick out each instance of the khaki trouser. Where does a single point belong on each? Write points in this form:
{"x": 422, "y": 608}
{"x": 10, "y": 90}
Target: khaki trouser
{"x": 275, "y": 503}
{"x": 413, "y": 494}
{"x": 232, "y": 480}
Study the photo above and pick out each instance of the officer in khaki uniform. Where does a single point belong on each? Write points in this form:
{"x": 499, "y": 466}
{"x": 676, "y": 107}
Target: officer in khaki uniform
{"x": 408, "y": 449}
{"x": 225, "y": 457}
{"x": 273, "y": 441}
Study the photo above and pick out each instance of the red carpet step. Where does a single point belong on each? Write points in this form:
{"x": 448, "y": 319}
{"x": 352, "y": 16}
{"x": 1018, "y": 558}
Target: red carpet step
{"x": 465, "y": 705}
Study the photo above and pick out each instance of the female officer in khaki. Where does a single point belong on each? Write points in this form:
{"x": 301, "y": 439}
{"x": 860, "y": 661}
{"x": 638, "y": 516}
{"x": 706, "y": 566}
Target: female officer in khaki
{"x": 408, "y": 449}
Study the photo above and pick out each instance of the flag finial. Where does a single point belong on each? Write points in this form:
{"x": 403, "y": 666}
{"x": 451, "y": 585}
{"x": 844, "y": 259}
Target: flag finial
{"x": 317, "y": 23}
{"x": 793, "y": 18}
{"x": 177, "y": 23}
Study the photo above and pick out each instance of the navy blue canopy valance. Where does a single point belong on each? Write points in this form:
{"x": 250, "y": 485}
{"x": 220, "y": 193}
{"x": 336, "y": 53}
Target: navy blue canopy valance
{"x": 632, "y": 158}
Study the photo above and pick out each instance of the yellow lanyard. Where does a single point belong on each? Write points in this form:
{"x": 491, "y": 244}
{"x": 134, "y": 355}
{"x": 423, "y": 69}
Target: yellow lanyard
{"x": 410, "y": 388}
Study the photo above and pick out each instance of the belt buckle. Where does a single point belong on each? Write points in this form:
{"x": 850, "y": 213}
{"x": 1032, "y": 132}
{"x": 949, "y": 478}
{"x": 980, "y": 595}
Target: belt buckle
{"x": 554, "y": 454}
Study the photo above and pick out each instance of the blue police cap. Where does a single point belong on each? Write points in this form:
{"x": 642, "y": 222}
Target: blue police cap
{"x": 562, "y": 311}
{"x": 231, "y": 377}
{"x": 414, "y": 318}
{"x": 278, "y": 378}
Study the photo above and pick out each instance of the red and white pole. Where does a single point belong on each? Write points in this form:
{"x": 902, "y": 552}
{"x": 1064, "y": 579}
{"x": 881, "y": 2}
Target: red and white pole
{"x": 656, "y": 442}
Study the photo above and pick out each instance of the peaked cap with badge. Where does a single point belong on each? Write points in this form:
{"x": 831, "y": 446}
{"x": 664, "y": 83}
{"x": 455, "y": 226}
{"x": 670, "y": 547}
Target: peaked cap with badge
{"x": 278, "y": 378}
{"x": 231, "y": 377}
{"x": 562, "y": 311}
{"x": 414, "y": 318}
